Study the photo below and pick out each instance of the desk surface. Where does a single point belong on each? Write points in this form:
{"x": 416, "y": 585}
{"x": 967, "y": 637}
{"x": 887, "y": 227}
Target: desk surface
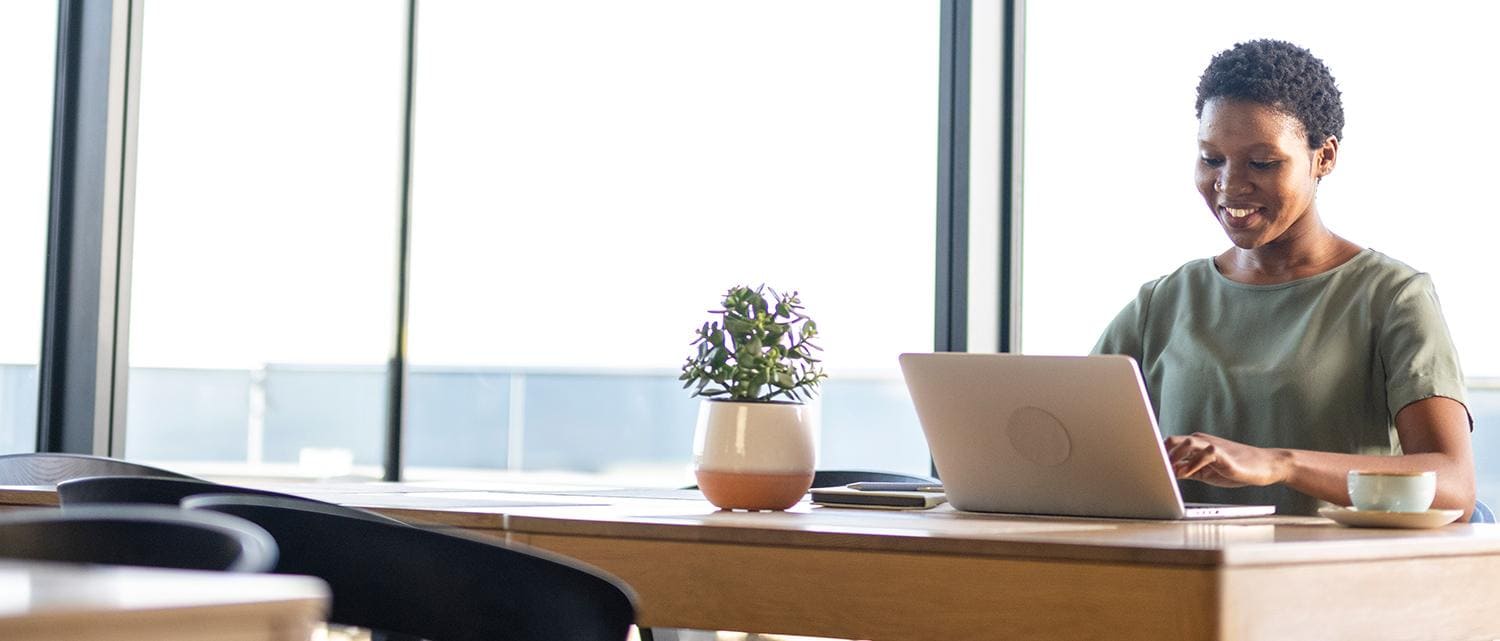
{"x": 675, "y": 515}
{"x": 53, "y": 601}
{"x": 944, "y": 574}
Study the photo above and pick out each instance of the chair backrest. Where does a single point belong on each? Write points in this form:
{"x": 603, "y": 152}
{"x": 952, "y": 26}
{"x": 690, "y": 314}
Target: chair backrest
{"x": 836, "y": 478}
{"x": 45, "y": 468}
{"x": 436, "y": 585}
{"x": 144, "y": 535}
{"x": 97, "y": 490}
{"x": 1482, "y": 513}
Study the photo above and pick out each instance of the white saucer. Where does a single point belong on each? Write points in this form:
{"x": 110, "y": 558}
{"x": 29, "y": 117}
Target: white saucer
{"x": 1411, "y": 520}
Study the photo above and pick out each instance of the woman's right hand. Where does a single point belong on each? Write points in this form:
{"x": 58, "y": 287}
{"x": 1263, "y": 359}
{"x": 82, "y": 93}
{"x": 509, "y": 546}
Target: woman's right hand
{"x": 1224, "y": 463}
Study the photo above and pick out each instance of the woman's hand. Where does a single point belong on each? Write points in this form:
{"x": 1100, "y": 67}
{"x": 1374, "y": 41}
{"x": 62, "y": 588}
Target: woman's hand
{"x": 1434, "y": 435}
{"x": 1225, "y": 463}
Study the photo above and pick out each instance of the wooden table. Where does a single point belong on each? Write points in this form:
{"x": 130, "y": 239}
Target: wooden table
{"x": 941, "y": 574}
{"x": 61, "y": 602}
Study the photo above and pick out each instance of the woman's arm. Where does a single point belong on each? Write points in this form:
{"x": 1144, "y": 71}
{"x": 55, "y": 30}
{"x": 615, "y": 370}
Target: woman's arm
{"x": 1434, "y": 435}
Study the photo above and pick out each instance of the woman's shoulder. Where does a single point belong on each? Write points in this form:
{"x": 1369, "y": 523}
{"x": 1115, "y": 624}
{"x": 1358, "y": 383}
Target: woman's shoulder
{"x": 1379, "y": 273}
{"x": 1193, "y": 274}
{"x": 1373, "y": 261}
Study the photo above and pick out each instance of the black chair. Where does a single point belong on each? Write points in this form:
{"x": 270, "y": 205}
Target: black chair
{"x": 837, "y": 478}
{"x": 45, "y": 468}
{"x": 1482, "y": 513}
{"x": 96, "y": 490}
{"x": 151, "y": 536}
{"x": 439, "y": 586}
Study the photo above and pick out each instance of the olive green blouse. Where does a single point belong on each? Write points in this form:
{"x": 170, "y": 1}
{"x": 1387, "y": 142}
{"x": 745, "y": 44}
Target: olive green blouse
{"x": 1321, "y": 363}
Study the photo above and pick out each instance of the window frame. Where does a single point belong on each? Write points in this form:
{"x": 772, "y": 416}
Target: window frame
{"x": 84, "y": 364}
{"x": 86, "y": 298}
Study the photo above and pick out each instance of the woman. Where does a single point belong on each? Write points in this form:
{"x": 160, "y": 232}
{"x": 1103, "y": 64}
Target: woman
{"x": 1295, "y": 356}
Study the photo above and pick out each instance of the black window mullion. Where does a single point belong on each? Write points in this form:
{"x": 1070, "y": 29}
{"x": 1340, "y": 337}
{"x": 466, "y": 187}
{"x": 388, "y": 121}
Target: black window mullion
{"x": 951, "y": 317}
{"x": 79, "y": 303}
{"x": 396, "y": 371}
{"x": 1011, "y": 85}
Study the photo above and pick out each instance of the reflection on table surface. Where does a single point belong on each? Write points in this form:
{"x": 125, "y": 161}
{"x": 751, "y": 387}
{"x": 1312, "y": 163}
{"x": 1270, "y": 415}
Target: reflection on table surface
{"x": 65, "y": 601}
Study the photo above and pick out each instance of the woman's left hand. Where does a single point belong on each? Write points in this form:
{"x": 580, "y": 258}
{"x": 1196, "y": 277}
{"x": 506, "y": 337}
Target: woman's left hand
{"x": 1222, "y": 462}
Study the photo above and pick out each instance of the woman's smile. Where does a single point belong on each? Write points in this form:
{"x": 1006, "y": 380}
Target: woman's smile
{"x": 1241, "y": 216}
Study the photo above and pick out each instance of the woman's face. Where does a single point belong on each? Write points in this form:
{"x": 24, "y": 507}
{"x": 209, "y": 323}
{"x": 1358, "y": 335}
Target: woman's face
{"x": 1256, "y": 172}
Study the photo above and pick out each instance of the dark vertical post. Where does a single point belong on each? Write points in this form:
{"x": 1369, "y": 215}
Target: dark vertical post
{"x": 396, "y": 371}
{"x": 951, "y": 312}
{"x": 79, "y": 303}
{"x": 1011, "y": 122}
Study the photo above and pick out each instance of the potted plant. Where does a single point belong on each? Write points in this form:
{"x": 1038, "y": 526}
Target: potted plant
{"x": 754, "y": 368}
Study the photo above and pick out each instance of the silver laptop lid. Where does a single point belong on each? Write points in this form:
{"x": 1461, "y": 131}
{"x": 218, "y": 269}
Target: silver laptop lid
{"x": 1068, "y": 435}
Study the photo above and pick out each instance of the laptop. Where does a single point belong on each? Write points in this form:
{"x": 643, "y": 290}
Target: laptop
{"x": 1055, "y": 435}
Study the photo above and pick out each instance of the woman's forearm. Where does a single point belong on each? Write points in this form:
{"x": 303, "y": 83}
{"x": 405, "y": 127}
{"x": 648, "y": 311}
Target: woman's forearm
{"x": 1324, "y": 475}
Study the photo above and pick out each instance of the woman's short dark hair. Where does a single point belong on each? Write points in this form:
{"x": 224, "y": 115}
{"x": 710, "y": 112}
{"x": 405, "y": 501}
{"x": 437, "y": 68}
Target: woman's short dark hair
{"x": 1280, "y": 75}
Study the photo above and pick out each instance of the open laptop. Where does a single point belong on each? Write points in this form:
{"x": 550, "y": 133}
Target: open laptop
{"x": 1060, "y": 435}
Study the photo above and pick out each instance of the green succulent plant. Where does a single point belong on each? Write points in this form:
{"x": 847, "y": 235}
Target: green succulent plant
{"x": 760, "y": 350}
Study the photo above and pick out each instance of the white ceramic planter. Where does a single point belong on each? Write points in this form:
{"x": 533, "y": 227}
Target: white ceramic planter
{"x": 754, "y": 456}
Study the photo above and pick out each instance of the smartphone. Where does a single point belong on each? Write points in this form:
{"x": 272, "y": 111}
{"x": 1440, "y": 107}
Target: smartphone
{"x": 874, "y": 486}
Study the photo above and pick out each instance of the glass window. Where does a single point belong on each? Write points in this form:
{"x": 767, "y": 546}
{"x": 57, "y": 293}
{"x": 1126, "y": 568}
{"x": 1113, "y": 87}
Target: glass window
{"x": 267, "y": 203}
{"x": 28, "y": 45}
{"x": 1111, "y": 140}
{"x": 590, "y": 179}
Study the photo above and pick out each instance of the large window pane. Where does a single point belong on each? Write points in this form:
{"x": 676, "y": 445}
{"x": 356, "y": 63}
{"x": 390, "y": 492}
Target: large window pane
{"x": 28, "y": 43}
{"x": 1111, "y": 142}
{"x": 265, "y": 232}
{"x": 590, "y": 178}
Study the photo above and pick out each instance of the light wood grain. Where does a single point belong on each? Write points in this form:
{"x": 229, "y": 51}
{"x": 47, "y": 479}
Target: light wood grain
{"x": 1413, "y": 599}
{"x": 57, "y": 602}
{"x": 943, "y": 574}
{"x": 28, "y": 495}
{"x": 897, "y": 596}
{"x": 1199, "y": 544}
{"x": 1236, "y": 542}
{"x": 199, "y": 626}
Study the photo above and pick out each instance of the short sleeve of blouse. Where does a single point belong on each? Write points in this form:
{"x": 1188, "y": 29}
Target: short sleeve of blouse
{"x": 1416, "y": 349}
{"x": 1125, "y": 333}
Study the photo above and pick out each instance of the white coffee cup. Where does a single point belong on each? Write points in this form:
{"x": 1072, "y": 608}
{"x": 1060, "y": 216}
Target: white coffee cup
{"x": 1392, "y": 491}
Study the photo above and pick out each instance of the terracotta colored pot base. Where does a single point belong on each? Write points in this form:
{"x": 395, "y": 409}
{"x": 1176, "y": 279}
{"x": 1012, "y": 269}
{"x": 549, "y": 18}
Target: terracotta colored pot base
{"x": 750, "y": 491}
